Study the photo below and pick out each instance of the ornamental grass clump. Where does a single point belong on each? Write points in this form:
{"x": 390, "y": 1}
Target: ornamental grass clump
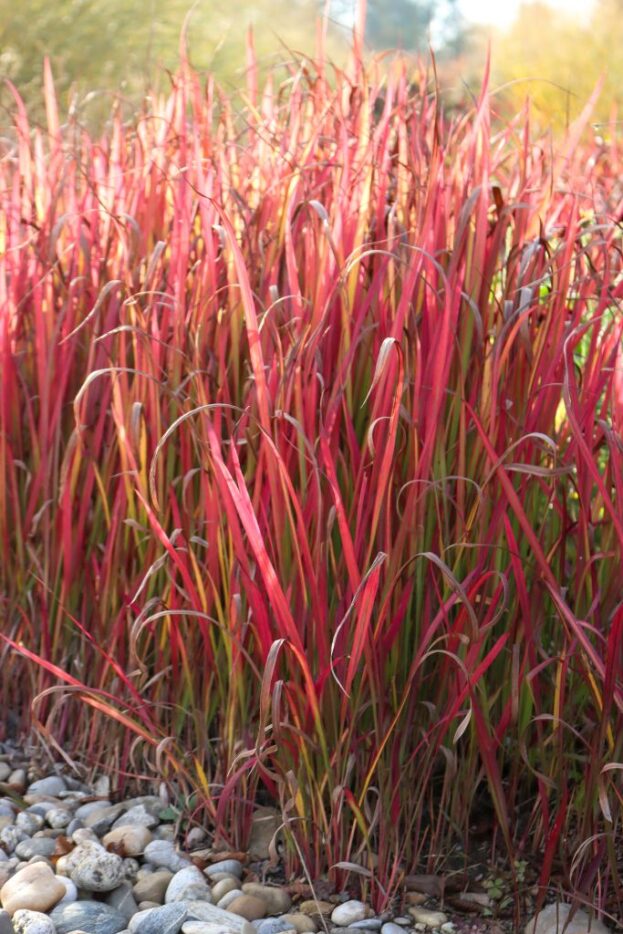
{"x": 311, "y": 457}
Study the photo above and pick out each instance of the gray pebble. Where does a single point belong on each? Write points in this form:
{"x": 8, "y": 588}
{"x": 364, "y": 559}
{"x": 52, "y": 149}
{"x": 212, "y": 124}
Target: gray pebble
{"x": 232, "y": 866}
{"x": 188, "y": 884}
{"x": 209, "y": 927}
{"x": 74, "y": 824}
{"x": 167, "y": 919}
{"x": 10, "y": 836}
{"x": 90, "y": 916}
{"x": 6, "y": 925}
{"x": 41, "y": 807}
{"x": 84, "y": 810}
{"x": 36, "y": 846}
{"x": 52, "y": 785}
{"x": 58, "y": 818}
{"x": 163, "y": 853}
{"x": 122, "y": 898}
{"x": 140, "y": 814}
{"x": 274, "y": 926}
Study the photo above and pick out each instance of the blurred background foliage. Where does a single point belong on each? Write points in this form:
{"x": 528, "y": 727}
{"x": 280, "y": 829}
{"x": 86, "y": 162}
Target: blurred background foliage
{"x": 557, "y": 61}
{"x": 99, "y": 49}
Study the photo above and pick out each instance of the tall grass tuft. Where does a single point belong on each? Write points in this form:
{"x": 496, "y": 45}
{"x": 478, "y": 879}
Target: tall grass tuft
{"x": 311, "y": 466}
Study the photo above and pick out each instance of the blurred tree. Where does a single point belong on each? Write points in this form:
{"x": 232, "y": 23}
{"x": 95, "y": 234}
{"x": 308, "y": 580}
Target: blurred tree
{"x": 98, "y": 46}
{"x": 413, "y": 25}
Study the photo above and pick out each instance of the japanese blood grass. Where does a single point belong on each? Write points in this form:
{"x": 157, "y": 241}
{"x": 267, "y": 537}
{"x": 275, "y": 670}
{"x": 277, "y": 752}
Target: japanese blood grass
{"x": 312, "y": 467}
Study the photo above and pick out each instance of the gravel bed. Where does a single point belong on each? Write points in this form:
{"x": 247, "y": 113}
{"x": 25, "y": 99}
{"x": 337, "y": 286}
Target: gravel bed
{"x": 75, "y": 861}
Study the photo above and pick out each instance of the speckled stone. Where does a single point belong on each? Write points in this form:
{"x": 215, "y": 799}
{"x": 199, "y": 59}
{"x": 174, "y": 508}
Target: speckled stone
{"x": 29, "y": 822}
{"x": 98, "y": 872}
{"x": 58, "y": 818}
{"x": 32, "y": 922}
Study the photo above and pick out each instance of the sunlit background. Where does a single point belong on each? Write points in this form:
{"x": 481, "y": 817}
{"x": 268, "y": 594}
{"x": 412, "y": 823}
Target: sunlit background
{"x": 501, "y": 15}
{"x": 553, "y": 52}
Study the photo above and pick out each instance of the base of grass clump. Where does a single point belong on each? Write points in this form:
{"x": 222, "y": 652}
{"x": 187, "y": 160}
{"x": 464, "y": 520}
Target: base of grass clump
{"x": 311, "y": 454}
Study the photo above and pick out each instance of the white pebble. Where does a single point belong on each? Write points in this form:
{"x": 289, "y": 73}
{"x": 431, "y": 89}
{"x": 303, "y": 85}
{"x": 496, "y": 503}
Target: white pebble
{"x": 348, "y": 912}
